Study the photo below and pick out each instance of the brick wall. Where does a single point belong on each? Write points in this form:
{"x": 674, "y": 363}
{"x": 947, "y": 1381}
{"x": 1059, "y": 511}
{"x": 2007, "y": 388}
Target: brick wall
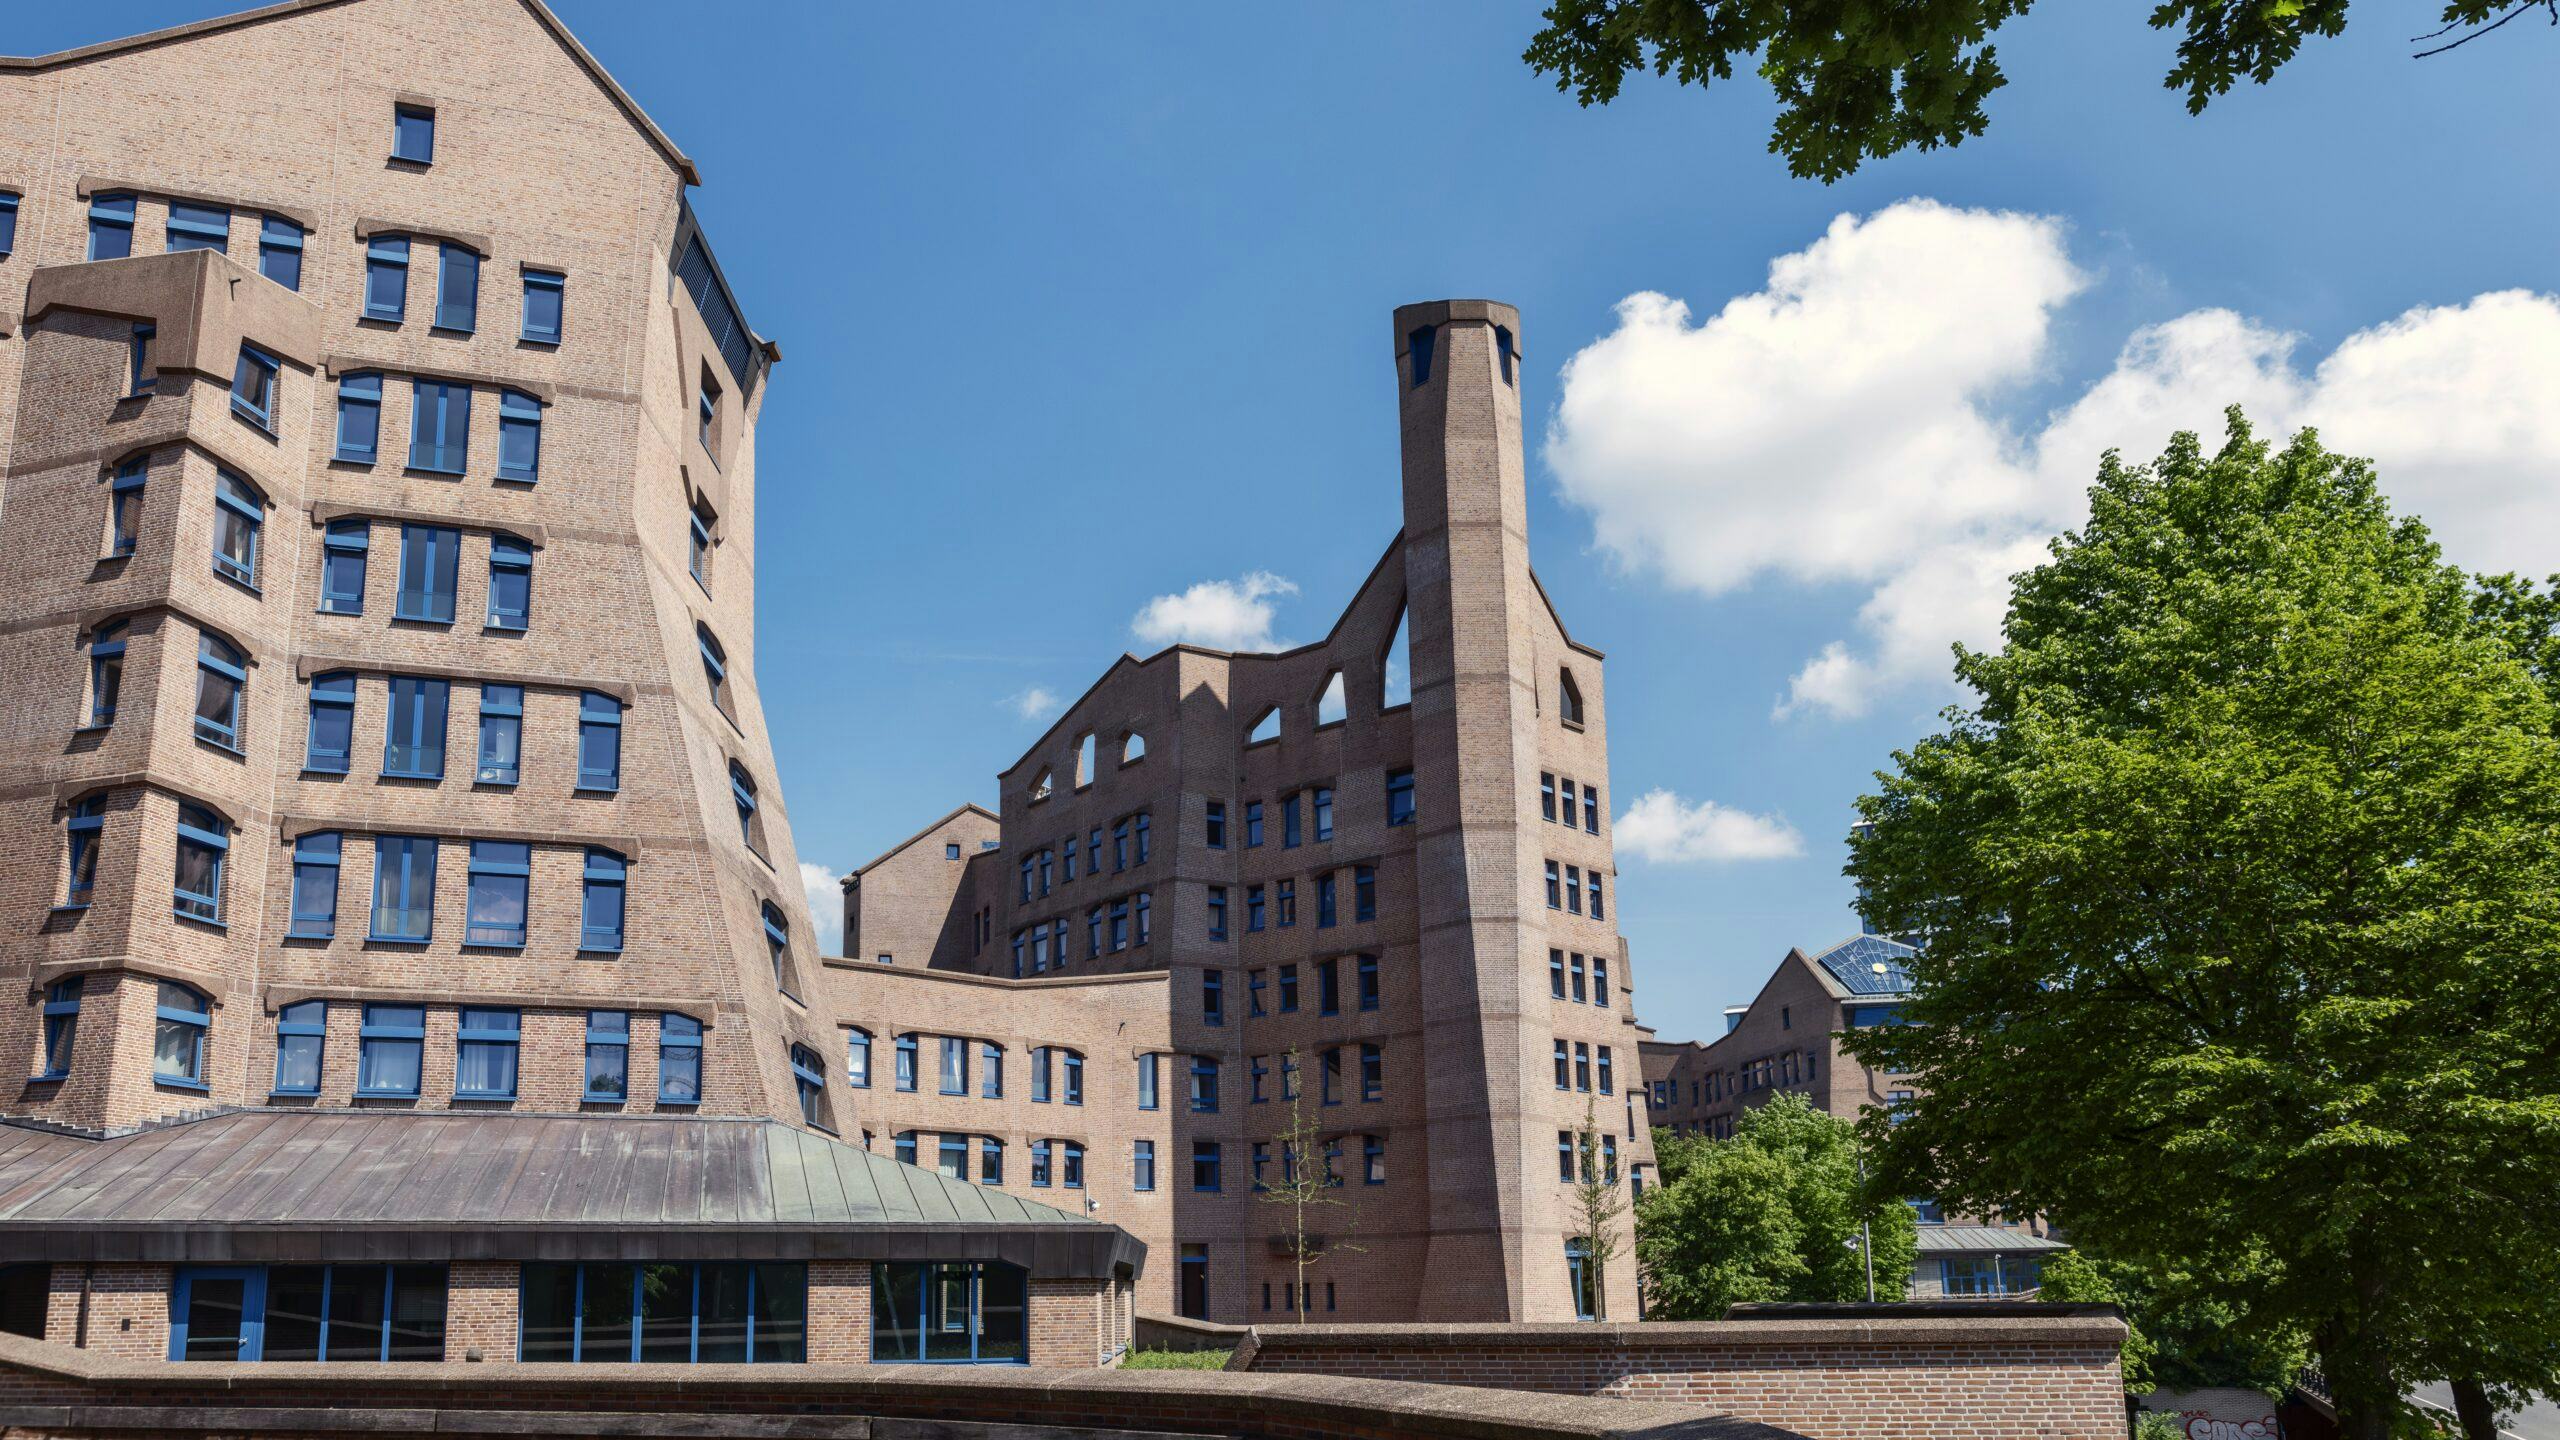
{"x": 481, "y": 1310}
{"x": 127, "y": 1309}
{"x": 839, "y": 1312}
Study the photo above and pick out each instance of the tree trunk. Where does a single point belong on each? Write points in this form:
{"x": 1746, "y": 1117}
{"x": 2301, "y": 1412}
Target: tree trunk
{"x": 2471, "y": 1406}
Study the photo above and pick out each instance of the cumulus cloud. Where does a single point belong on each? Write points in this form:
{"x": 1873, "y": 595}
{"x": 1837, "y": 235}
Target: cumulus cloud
{"x": 1220, "y": 614}
{"x": 1037, "y": 702}
{"x": 1667, "y": 830}
{"x": 1844, "y": 426}
{"x": 825, "y": 891}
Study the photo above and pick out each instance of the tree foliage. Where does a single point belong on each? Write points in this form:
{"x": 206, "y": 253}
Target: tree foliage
{"x": 1862, "y": 79}
{"x": 2239, "y": 881}
{"x": 2182, "y": 1337}
{"x": 1771, "y": 1214}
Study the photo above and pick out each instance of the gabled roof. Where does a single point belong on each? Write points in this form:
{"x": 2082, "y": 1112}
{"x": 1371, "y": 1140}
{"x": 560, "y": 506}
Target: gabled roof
{"x": 884, "y": 856}
{"x": 1854, "y": 964}
{"x": 440, "y": 1185}
{"x": 219, "y": 23}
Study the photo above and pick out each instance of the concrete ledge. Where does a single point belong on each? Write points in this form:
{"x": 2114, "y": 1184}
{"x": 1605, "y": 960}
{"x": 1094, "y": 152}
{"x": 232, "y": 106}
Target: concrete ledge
{"x": 1756, "y": 1332}
{"x": 1175, "y": 1332}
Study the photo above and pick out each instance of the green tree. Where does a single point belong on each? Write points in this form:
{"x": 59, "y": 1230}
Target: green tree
{"x": 1863, "y": 79}
{"x": 2241, "y": 905}
{"x": 1304, "y": 1194}
{"x": 2180, "y": 1339}
{"x": 1597, "y": 1207}
{"x": 1771, "y": 1214}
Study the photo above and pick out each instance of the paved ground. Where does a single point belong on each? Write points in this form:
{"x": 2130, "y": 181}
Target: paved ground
{"x": 2539, "y": 1421}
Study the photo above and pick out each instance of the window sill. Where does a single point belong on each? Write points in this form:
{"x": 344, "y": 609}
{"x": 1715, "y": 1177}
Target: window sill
{"x": 415, "y": 468}
{"x": 329, "y": 934}
{"x": 412, "y": 775}
{"x": 70, "y": 907}
{"x": 376, "y": 938}
{"x": 508, "y": 1096}
{"x": 501, "y": 627}
{"x": 327, "y": 609}
{"x": 495, "y": 782}
{"x": 208, "y": 922}
{"x": 380, "y": 318}
{"x": 445, "y": 620}
{"x": 514, "y": 477}
{"x": 50, "y": 1077}
{"x": 309, "y": 769}
{"x": 547, "y": 342}
{"x": 344, "y": 458}
{"x": 593, "y": 787}
{"x": 173, "y": 1082}
{"x": 386, "y": 1094}
{"x": 510, "y": 945}
{"x": 312, "y": 1094}
{"x": 441, "y": 328}
{"x": 243, "y": 581}
{"x": 587, "y": 949}
{"x": 664, "y": 1103}
{"x": 255, "y": 421}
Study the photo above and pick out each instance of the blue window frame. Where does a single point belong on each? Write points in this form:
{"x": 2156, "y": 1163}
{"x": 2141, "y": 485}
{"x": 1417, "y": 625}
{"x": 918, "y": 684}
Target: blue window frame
{"x": 1142, "y": 1165}
{"x": 906, "y": 1048}
{"x": 315, "y": 886}
{"x": 1399, "y": 797}
{"x": 955, "y": 1065}
{"x": 204, "y": 846}
{"x": 1042, "y": 1176}
{"x": 679, "y": 1060}
{"x": 698, "y": 561}
{"x": 857, "y": 1058}
{"x": 1205, "y": 1165}
{"x": 1579, "y": 1274}
{"x": 1149, "y": 1067}
{"x": 519, "y": 436}
{"x": 955, "y": 1157}
{"x": 333, "y": 723}
{"x": 1204, "y": 1085}
{"x": 1373, "y": 1160}
{"x": 1322, "y": 808}
{"x": 715, "y": 667}
{"x": 8, "y": 221}
{"x": 413, "y": 134}
{"x": 439, "y": 426}
{"x": 510, "y": 583}
{"x": 140, "y": 374}
{"x": 777, "y": 946}
{"x": 1364, "y": 892}
{"x": 608, "y": 1056}
{"x": 61, "y": 1026}
{"x": 302, "y": 1038}
{"x": 990, "y": 1160}
{"x": 391, "y": 1048}
{"x": 280, "y": 251}
{"x": 750, "y": 822}
{"x": 1368, "y": 982}
{"x": 485, "y": 1052}
{"x": 495, "y": 900}
{"x": 600, "y": 901}
{"x": 404, "y": 888}
{"x": 124, "y": 506}
{"x": 546, "y": 294}
{"x": 501, "y": 734}
{"x": 457, "y": 288}
{"x": 940, "y": 1313}
{"x": 110, "y": 227}
{"x": 359, "y": 417}
{"x": 990, "y": 1070}
{"x": 194, "y": 226}
{"x": 599, "y": 742}
{"x": 86, "y": 827}
{"x": 366, "y": 1312}
{"x": 342, "y": 560}
{"x": 413, "y": 736}
{"x": 664, "y": 1313}
{"x": 1213, "y": 998}
{"x": 238, "y": 513}
{"x": 1071, "y": 1076}
{"x": 386, "y": 277}
{"x": 106, "y": 673}
{"x": 430, "y": 559}
{"x": 809, "y": 1077}
{"x": 183, "y": 1023}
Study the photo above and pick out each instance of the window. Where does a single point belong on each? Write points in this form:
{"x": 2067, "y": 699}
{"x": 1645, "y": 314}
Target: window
{"x": 198, "y": 226}
{"x": 1148, "y": 1068}
{"x": 954, "y": 1153}
{"x": 484, "y": 1061}
{"x": 204, "y": 844}
{"x": 1071, "y": 1076}
{"x": 750, "y": 819}
{"x": 86, "y": 827}
{"x": 1071, "y": 1164}
{"x": 430, "y": 561}
{"x": 857, "y": 1059}
{"x": 1564, "y": 1067}
{"x": 1259, "y": 1069}
{"x": 386, "y": 277}
{"x": 715, "y": 668}
{"x": 907, "y": 1062}
{"x": 1373, "y": 1072}
{"x": 439, "y": 426}
{"x": 1133, "y": 747}
{"x": 1204, "y": 1085}
{"x": 124, "y": 507}
{"x": 669, "y": 1313}
{"x": 1418, "y": 342}
{"x": 1323, "y": 812}
{"x": 679, "y": 1060}
{"x": 1145, "y": 846}
{"x": 1329, "y": 1090}
{"x": 1573, "y": 888}
{"x": 390, "y": 1048}
{"x": 1040, "y": 1075}
{"x": 106, "y": 673}
{"x": 178, "y": 1037}
{"x": 1607, "y": 1086}
{"x": 1213, "y": 998}
{"x": 302, "y": 1033}
{"x": 1328, "y": 987}
{"x": 1288, "y": 903}
{"x": 698, "y": 547}
{"x": 990, "y": 1070}
{"x": 777, "y": 944}
{"x": 359, "y": 417}
{"x": 707, "y": 415}
{"x": 1040, "y": 1169}
{"x": 1288, "y": 989}
{"x": 494, "y": 909}
{"x": 546, "y": 294}
{"x": 413, "y": 743}
{"x": 501, "y": 733}
{"x": 1582, "y": 1066}
{"x": 140, "y": 374}
{"x": 1399, "y": 797}
{"x": 1568, "y": 699}
{"x": 990, "y": 1161}
{"x": 609, "y": 1056}
{"x": 1289, "y": 836}
{"x": 955, "y": 1066}
{"x": 510, "y": 583}
{"x": 1324, "y": 901}
{"x": 949, "y": 1313}
{"x": 1590, "y": 809}
{"x": 8, "y": 221}
{"x": 1204, "y": 1166}
{"x": 280, "y": 251}
{"x": 1373, "y": 1160}
{"x": 1599, "y": 981}
{"x": 1555, "y": 974}
{"x": 333, "y": 709}
{"x": 315, "y": 886}
{"x": 1142, "y": 1165}
{"x": 342, "y": 562}
{"x": 1368, "y": 971}
{"x": 809, "y": 1077}
{"x": 1555, "y": 886}
{"x": 1567, "y": 788}
{"x": 1577, "y": 978}
{"x": 1146, "y": 904}
{"x": 1591, "y": 884}
{"x": 1267, "y": 727}
{"x": 61, "y": 1026}
{"x": 1217, "y": 912}
{"x": 600, "y": 902}
{"x": 404, "y": 888}
{"x": 519, "y": 436}
{"x": 110, "y": 227}
{"x": 599, "y": 742}
{"x": 237, "y": 514}
{"x": 413, "y": 134}
{"x": 364, "y": 1312}
{"x": 253, "y": 387}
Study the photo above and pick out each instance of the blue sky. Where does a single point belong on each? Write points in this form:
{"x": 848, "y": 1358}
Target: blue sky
{"x": 1083, "y": 306}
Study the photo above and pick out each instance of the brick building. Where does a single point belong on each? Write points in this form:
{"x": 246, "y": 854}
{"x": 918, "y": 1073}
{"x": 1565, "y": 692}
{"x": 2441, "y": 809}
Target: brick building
{"x": 380, "y": 462}
{"x": 1373, "y": 871}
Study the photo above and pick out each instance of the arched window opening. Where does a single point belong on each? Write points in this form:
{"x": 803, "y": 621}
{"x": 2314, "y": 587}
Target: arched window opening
{"x": 1084, "y": 760}
{"x": 1332, "y": 704}
{"x": 715, "y": 669}
{"x": 742, "y": 789}
{"x": 1568, "y": 699}
{"x": 1133, "y": 746}
{"x": 1044, "y": 786}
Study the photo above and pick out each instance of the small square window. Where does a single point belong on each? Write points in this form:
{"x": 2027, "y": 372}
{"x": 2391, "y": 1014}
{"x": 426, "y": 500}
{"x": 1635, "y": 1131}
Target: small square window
{"x": 413, "y": 134}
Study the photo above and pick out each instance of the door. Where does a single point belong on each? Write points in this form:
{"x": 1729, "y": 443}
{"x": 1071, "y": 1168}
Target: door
{"x": 216, "y": 1313}
{"x": 1194, "y": 1300}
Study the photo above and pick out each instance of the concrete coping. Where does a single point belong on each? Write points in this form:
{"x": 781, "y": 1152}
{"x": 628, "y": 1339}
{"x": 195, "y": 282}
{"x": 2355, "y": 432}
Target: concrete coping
{"x": 368, "y": 226}
{"x": 2092, "y": 1325}
{"x": 90, "y": 186}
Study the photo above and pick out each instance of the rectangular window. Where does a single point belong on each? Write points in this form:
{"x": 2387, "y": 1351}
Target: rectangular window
{"x": 1253, "y": 907}
{"x": 1573, "y": 889}
{"x": 342, "y": 565}
{"x": 500, "y": 877}
{"x": 386, "y": 278}
{"x": 1145, "y": 846}
{"x": 1040, "y": 1170}
{"x": 1555, "y": 886}
{"x": 389, "y": 1050}
{"x": 110, "y": 227}
{"x": 1373, "y": 1072}
{"x": 1204, "y": 1085}
{"x": 1593, "y": 884}
{"x": 990, "y": 1161}
{"x": 1217, "y": 825}
{"x": 1364, "y": 892}
{"x": 1148, "y": 1068}
{"x": 1328, "y": 987}
{"x": 354, "y": 1312}
{"x": 413, "y": 742}
{"x": 519, "y": 436}
{"x": 302, "y": 1034}
{"x": 1591, "y": 808}
{"x": 484, "y": 1065}
{"x": 1071, "y": 1076}
{"x": 990, "y": 1071}
{"x": 359, "y": 418}
{"x": 8, "y": 221}
{"x": 955, "y": 1066}
{"x": 907, "y": 1064}
{"x": 1582, "y": 1066}
{"x": 141, "y": 374}
{"x": 1260, "y": 1070}
{"x": 608, "y": 1056}
{"x": 404, "y": 888}
{"x": 664, "y": 1313}
{"x": 1576, "y": 967}
{"x": 1142, "y": 1165}
{"x": 1329, "y": 1087}
{"x": 253, "y": 387}
{"x": 1324, "y": 901}
{"x": 413, "y": 134}
{"x": 601, "y": 902}
{"x": 430, "y": 559}
{"x": 1546, "y": 795}
{"x": 599, "y": 742}
{"x": 1289, "y": 836}
{"x": 1253, "y": 993}
{"x": 1289, "y": 989}
{"x": 194, "y": 226}
{"x": 315, "y": 887}
{"x": 1324, "y": 812}
{"x": 333, "y": 722}
{"x": 1564, "y": 1067}
{"x": 439, "y": 426}
{"x": 1555, "y": 974}
{"x": 546, "y": 294}
{"x": 953, "y": 1157}
{"x": 1399, "y": 797}
{"x": 1217, "y": 912}
{"x": 698, "y": 562}
{"x": 1252, "y": 824}
{"x": 1204, "y": 1166}
{"x": 1213, "y": 998}
{"x": 501, "y": 733}
{"x": 679, "y": 1060}
{"x": 510, "y": 583}
{"x": 1368, "y": 982}
{"x": 280, "y": 251}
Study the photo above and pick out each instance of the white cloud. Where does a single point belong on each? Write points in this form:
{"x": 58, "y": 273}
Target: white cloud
{"x": 1037, "y": 702}
{"x": 1667, "y": 830}
{"x": 1220, "y": 614}
{"x": 1843, "y": 426}
{"x": 825, "y": 891}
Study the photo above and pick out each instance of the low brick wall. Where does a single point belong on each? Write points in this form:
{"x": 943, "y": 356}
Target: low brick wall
{"x": 49, "y": 1390}
{"x": 1851, "y": 1373}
